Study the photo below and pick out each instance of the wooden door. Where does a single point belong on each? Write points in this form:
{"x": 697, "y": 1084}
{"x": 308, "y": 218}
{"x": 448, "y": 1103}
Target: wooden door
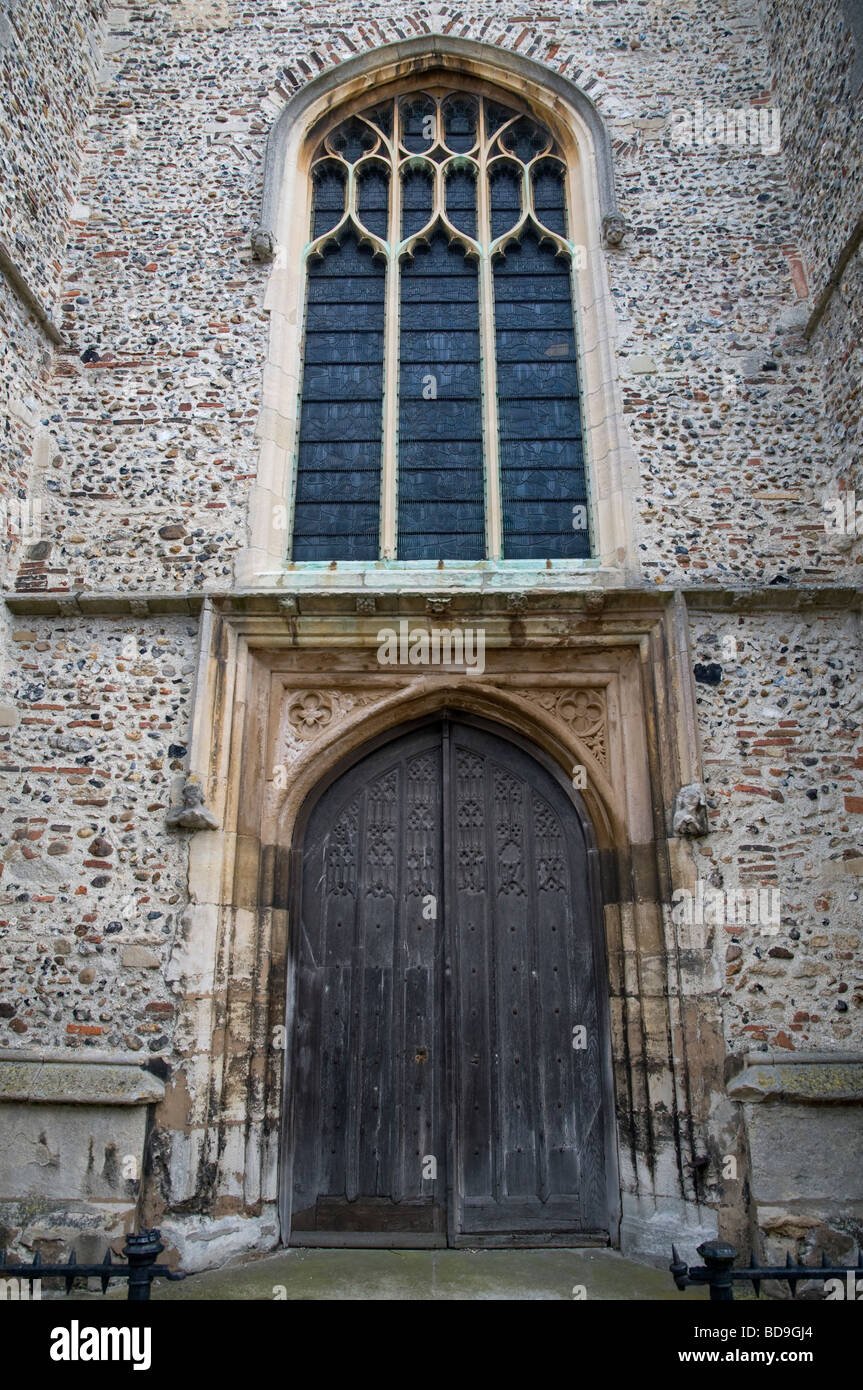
{"x": 449, "y": 1078}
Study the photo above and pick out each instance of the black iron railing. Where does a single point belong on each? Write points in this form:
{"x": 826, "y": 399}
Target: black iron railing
{"x": 141, "y": 1251}
{"x": 720, "y": 1273}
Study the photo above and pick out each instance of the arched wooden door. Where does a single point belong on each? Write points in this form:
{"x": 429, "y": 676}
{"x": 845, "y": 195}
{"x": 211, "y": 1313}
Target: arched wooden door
{"x": 449, "y": 1073}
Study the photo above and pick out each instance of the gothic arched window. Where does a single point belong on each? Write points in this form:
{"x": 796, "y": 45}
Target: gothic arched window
{"x": 440, "y": 413}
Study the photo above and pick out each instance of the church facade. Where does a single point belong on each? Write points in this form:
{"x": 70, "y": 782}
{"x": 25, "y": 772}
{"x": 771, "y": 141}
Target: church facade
{"x": 431, "y": 752}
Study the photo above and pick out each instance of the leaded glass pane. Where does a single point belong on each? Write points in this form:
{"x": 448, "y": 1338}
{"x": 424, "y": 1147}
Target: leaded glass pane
{"x": 541, "y": 457}
{"x": 440, "y": 513}
{"x": 461, "y": 200}
{"x": 505, "y": 194}
{"x": 373, "y": 198}
{"x": 418, "y": 124}
{"x": 460, "y": 121}
{"x": 337, "y": 502}
{"x": 417, "y": 200}
{"x": 548, "y": 195}
{"x": 329, "y": 200}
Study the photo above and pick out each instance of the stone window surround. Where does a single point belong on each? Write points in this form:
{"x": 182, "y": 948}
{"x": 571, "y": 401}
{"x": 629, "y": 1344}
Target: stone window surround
{"x": 586, "y": 145}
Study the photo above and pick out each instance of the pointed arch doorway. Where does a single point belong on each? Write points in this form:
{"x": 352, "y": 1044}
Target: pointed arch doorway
{"x": 448, "y": 1072}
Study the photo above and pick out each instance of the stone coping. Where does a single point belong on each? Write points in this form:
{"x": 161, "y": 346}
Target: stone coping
{"x": 53, "y": 1081}
{"x": 816, "y": 1078}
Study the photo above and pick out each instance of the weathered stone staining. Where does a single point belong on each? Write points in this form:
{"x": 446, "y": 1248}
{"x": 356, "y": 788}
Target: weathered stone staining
{"x": 705, "y": 676}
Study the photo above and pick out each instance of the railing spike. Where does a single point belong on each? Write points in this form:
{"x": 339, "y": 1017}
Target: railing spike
{"x": 70, "y": 1278}
{"x": 825, "y": 1263}
{"x": 37, "y": 1259}
{"x": 2, "y": 1258}
{"x": 106, "y": 1264}
{"x": 859, "y": 1258}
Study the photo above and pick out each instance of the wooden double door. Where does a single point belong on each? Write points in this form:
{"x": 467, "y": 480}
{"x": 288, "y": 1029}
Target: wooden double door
{"x": 448, "y": 1080}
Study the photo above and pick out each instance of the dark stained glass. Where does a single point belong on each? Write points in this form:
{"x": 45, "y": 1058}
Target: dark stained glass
{"x": 373, "y": 198}
{"x": 440, "y": 480}
{"x": 496, "y": 116}
{"x": 461, "y": 200}
{"x": 352, "y": 140}
{"x": 382, "y": 117}
{"x": 329, "y": 201}
{"x": 505, "y": 197}
{"x": 417, "y": 196}
{"x": 418, "y": 124}
{"x": 524, "y": 139}
{"x": 549, "y": 199}
{"x": 436, "y": 431}
{"x": 337, "y": 505}
{"x": 459, "y": 117}
{"x": 541, "y": 454}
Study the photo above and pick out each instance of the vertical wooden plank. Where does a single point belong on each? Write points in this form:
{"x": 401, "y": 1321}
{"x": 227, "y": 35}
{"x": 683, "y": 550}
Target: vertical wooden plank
{"x": 376, "y": 1045}
{"x": 509, "y": 876}
{"x": 367, "y": 1013}
{"x": 339, "y": 892}
{"x": 420, "y": 1057}
{"x": 450, "y": 1107}
{"x": 473, "y": 1045}
{"x": 556, "y": 987}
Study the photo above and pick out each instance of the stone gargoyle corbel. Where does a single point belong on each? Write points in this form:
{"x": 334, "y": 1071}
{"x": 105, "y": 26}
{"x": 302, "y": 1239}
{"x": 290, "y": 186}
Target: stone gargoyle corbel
{"x": 613, "y": 229}
{"x": 191, "y": 813}
{"x": 263, "y": 244}
{"x": 690, "y": 812}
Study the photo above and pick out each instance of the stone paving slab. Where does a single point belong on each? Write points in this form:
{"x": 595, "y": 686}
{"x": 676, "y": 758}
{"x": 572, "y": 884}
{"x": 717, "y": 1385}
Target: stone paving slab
{"x": 399, "y": 1275}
